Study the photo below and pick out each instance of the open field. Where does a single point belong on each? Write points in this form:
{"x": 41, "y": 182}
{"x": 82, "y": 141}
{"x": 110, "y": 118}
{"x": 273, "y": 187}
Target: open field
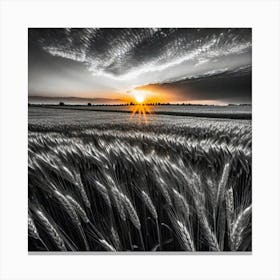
{"x": 228, "y": 112}
{"x": 106, "y": 181}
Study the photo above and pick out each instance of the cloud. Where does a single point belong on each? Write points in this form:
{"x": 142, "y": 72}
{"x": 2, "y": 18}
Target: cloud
{"x": 137, "y": 56}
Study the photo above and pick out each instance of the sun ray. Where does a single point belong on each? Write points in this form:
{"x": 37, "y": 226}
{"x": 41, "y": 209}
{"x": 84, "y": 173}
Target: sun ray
{"x": 139, "y": 107}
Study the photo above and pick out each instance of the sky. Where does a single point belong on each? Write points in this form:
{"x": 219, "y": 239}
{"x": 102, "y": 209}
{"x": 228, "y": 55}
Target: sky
{"x": 199, "y": 65}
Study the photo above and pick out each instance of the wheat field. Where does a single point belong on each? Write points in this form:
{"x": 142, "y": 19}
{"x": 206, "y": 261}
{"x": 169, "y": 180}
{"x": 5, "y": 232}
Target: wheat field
{"x": 130, "y": 187}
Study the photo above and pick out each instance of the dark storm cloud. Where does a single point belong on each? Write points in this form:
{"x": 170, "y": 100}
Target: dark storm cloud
{"x": 120, "y": 59}
{"x": 226, "y": 87}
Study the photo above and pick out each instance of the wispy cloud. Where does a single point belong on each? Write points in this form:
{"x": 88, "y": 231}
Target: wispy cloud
{"x": 133, "y": 57}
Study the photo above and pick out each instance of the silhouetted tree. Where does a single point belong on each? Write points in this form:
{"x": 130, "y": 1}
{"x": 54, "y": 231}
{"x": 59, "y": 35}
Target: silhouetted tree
{"x": 89, "y": 104}
{"x": 61, "y": 103}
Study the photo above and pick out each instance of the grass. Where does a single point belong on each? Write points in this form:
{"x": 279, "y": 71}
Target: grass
{"x": 133, "y": 188}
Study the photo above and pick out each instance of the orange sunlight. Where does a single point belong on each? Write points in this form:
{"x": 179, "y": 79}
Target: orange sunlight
{"x": 139, "y": 95}
{"x": 140, "y": 98}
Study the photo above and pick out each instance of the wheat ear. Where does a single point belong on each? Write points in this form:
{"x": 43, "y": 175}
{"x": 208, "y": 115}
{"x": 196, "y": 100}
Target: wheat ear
{"x": 107, "y": 246}
{"x": 148, "y": 202}
{"x": 181, "y": 203}
{"x": 79, "y": 210}
{"x": 229, "y": 208}
{"x": 50, "y": 229}
{"x": 185, "y": 236}
{"x": 32, "y": 229}
{"x": 132, "y": 214}
{"x": 68, "y": 207}
{"x": 239, "y": 226}
{"x": 222, "y": 184}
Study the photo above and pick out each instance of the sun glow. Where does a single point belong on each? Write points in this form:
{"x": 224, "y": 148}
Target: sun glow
{"x": 139, "y": 98}
{"x": 142, "y": 101}
{"x": 140, "y": 108}
{"x": 139, "y": 95}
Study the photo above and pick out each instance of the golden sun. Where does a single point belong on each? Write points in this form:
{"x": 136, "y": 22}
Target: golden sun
{"x": 139, "y": 98}
{"x": 140, "y": 108}
{"x": 139, "y": 95}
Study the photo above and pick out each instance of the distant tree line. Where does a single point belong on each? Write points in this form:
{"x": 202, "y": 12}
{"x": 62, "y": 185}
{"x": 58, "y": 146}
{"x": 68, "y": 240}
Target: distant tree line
{"x": 148, "y": 104}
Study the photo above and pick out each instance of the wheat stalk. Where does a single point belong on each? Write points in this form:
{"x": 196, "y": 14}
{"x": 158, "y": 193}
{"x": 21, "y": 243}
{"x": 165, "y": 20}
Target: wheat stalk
{"x": 115, "y": 237}
{"x": 209, "y": 235}
{"x": 118, "y": 199}
{"x": 229, "y": 208}
{"x": 32, "y": 230}
{"x": 117, "y": 196}
{"x": 82, "y": 190}
{"x": 185, "y": 236}
{"x": 80, "y": 211}
{"x": 107, "y": 246}
{"x": 148, "y": 202}
{"x": 103, "y": 192}
{"x": 222, "y": 184}
{"x": 68, "y": 207}
{"x": 163, "y": 189}
{"x": 132, "y": 214}
{"x": 181, "y": 203}
{"x": 50, "y": 229}
{"x": 239, "y": 226}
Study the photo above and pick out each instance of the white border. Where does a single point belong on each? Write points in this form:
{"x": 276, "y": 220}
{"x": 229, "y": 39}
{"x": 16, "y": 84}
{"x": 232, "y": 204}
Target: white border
{"x": 17, "y": 16}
